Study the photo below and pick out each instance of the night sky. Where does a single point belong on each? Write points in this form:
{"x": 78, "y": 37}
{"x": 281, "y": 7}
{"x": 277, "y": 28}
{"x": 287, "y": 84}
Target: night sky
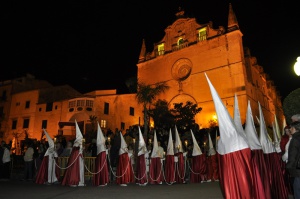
{"x": 93, "y": 45}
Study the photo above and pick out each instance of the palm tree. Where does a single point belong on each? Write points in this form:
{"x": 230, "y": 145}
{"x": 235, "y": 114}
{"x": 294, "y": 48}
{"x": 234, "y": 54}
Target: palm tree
{"x": 146, "y": 94}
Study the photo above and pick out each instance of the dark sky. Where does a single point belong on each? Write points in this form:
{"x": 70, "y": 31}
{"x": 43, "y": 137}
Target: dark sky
{"x": 94, "y": 45}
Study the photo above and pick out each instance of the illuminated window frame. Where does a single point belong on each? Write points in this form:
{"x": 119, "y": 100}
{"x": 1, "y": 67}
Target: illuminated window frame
{"x": 103, "y": 123}
{"x": 202, "y": 34}
{"x": 161, "y": 49}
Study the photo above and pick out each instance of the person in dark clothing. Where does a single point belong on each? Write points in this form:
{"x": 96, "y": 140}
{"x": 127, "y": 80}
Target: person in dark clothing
{"x": 293, "y": 157}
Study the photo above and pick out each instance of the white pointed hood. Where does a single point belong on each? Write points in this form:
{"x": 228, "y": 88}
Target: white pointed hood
{"x": 50, "y": 149}
{"x": 79, "y": 137}
{"x": 123, "y": 148}
{"x": 230, "y": 140}
{"x": 170, "y": 149}
{"x": 265, "y": 142}
{"x": 211, "y": 150}
{"x": 142, "y": 144}
{"x": 276, "y": 142}
{"x": 277, "y": 128}
{"x": 250, "y": 130}
{"x": 237, "y": 118}
{"x": 100, "y": 140}
{"x": 178, "y": 143}
{"x": 196, "y": 149}
{"x": 283, "y": 126}
{"x": 155, "y": 147}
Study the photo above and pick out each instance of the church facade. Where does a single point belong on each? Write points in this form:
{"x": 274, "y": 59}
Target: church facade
{"x": 190, "y": 50}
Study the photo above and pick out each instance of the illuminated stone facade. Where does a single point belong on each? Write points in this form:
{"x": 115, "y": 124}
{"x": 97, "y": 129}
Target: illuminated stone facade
{"x": 189, "y": 49}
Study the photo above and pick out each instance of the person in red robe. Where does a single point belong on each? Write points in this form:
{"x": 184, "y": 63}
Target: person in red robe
{"x": 169, "y": 176}
{"x": 49, "y": 171}
{"x": 125, "y": 173}
{"x": 278, "y": 187}
{"x": 74, "y": 175}
{"x": 212, "y": 162}
{"x": 198, "y": 163}
{"x": 142, "y": 178}
{"x": 258, "y": 160}
{"x": 179, "y": 159}
{"x": 101, "y": 176}
{"x": 156, "y": 165}
{"x": 234, "y": 154}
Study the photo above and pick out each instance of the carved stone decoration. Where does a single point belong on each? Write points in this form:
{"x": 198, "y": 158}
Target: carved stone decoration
{"x": 182, "y": 69}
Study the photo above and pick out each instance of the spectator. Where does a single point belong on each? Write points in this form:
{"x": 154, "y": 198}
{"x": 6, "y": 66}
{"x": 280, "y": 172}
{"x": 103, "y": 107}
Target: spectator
{"x": 67, "y": 150}
{"x": 293, "y": 157}
{"x": 295, "y": 118}
{"x": 4, "y": 162}
{"x": 28, "y": 158}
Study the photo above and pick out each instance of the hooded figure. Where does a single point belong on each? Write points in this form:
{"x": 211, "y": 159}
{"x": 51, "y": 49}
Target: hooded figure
{"x": 74, "y": 175}
{"x": 198, "y": 163}
{"x": 125, "y": 173}
{"x": 212, "y": 162}
{"x": 179, "y": 159}
{"x": 156, "y": 166}
{"x": 278, "y": 187}
{"x": 261, "y": 177}
{"x": 49, "y": 171}
{"x": 141, "y": 169}
{"x": 101, "y": 177}
{"x": 235, "y": 173}
{"x": 170, "y": 162}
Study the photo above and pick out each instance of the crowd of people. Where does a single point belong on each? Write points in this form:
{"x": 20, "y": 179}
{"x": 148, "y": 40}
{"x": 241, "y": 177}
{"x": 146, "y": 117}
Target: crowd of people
{"x": 129, "y": 158}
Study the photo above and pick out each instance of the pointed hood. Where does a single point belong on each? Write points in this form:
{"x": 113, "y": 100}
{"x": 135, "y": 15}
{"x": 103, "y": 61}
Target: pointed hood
{"x": 230, "y": 140}
{"x": 277, "y": 128}
{"x": 142, "y": 144}
{"x": 123, "y": 148}
{"x": 100, "y": 140}
{"x": 155, "y": 147}
{"x": 275, "y": 138}
{"x": 250, "y": 130}
{"x": 265, "y": 142}
{"x": 237, "y": 118}
{"x": 178, "y": 144}
{"x": 211, "y": 150}
{"x": 50, "y": 149}
{"x": 170, "y": 149}
{"x": 79, "y": 137}
{"x": 196, "y": 149}
{"x": 283, "y": 126}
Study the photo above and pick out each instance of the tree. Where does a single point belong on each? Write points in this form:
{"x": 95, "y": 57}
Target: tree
{"x": 162, "y": 117}
{"x": 185, "y": 115}
{"x": 146, "y": 94}
{"x": 291, "y": 105}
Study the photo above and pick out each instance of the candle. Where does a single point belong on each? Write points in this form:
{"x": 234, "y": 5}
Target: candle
{"x": 133, "y": 140}
{"x": 108, "y": 139}
{"x": 83, "y": 141}
{"x": 186, "y": 143}
{"x": 54, "y": 140}
{"x": 150, "y": 141}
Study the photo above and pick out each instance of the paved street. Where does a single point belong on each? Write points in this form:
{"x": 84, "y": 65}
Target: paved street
{"x": 16, "y": 189}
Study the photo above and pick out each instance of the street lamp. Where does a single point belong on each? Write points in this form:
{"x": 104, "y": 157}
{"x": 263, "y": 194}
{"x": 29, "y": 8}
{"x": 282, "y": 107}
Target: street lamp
{"x": 297, "y": 66}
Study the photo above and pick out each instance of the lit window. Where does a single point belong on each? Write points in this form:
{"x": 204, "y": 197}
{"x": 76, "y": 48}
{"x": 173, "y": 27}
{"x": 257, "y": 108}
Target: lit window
{"x": 72, "y": 104}
{"x": 89, "y": 103}
{"x": 80, "y": 102}
{"x": 161, "y": 49}
{"x": 103, "y": 123}
{"x": 202, "y": 34}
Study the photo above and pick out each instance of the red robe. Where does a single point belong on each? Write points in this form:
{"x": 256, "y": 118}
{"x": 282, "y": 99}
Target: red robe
{"x": 125, "y": 174}
{"x": 42, "y": 176}
{"x": 155, "y": 171}
{"x": 101, "y": 169}
{"x": 170, "y": 169}
{"x": 141, "y": 170}
{"x": 180, "y": 168}
{"x": 198, "y": 168}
